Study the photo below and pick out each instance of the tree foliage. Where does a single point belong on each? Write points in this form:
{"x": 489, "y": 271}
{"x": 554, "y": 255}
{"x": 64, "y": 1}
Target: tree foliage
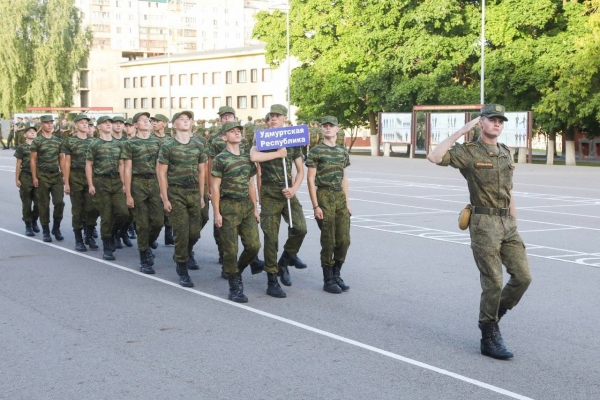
{"x": 43, "y": 45}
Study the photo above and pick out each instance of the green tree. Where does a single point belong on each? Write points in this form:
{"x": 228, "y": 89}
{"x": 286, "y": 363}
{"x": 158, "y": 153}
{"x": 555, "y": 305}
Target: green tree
{"x": 43, "y": 46}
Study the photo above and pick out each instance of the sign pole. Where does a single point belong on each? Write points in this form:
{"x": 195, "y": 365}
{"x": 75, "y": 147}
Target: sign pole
{"x": 287, "y": 187}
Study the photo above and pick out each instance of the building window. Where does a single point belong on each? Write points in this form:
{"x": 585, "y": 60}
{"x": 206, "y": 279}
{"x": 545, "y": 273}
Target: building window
{"x": 118, "y": 29}
{"x": 194, "y": 104}
{"x": 127, "y": 82}
{"x": 163, "y": 102}
{"x": 127, "y": 103}
{"x": 266, "y": 101}
{"x": 172, "y": 102}
{"x": 143, "y": 81}
{"x": 163, "y": 79}
{"x": 182, "y": 80}
{"x": 183, "y": 102}
{"x": 135, "y": 103}
{"x": 216, "y": 102}
{"x": 144, "y": 102}
{"x": 228, "y": 77}
{"x": 205, "y": 78}
{"x": 172, "y": 80}
{"x": 153, "y": 102}
{"x": 242, "y": 102}
{"x": 194, "y": 79}
{"x": 253, "y": 75}
{"x": 229, "y": 101}
{"x": 266, "y": 75}
{"x": 216, "y": 78}
{"x": 205, "y": 103}
{"x": 254, "y": 101}
{"x": 241, "y": 76}
{"x": 135, "y": 82}
{"x": 153, "y": 81}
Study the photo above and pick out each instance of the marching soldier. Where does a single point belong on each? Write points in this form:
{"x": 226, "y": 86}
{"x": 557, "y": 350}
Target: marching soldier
{"x": 4, "y": 147}
{"x": 159, "y": 124}
{"x": 328, "y": 189}
{"x": 121, "y": 237}
{"x": 488, "y": 168}
{"x": 45, "y": 170}
{"x": 24, "y": 180}
{"x": 129, "y": 128}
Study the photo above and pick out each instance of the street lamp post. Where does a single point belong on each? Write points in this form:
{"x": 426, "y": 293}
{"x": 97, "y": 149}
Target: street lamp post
{"x": 482, "y": 94}
{"x": 286, "y": 6}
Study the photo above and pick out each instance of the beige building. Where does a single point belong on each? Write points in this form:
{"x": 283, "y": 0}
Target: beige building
{"x": 201, "y": 82}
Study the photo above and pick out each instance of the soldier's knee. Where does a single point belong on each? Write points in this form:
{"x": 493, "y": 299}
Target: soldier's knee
{"x": 344, "y": 242}
{"x": 299, "y": 231}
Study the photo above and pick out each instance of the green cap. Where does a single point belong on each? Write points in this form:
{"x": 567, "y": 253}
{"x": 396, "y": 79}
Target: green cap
{"x": 278, "y": 109}
{"x": 267, "y": 117}
{"x": 227, "y": 126}
{"x": 129, "y": 121}
{"x": 493, "y": 110}
{"x": 79, "y": 117}
{"x": 46, "y": 118}
{"x": 179, "y": 114}
{"x": 138, "y": 115}
{"x": 118, "y": 119}
{"x": 30, "y": 126}
{"x": 330, "y": 120}
{"x": 225, "y": 110}
{"x": 160, "y": 117}
{"x": 103, "y": 119}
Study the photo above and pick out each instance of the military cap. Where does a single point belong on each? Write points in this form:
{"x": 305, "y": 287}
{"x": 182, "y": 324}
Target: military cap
{"x": 227, "y": 126}
{"x": 493, "y": 110}
{"x": 279, "y": 109}
{"x": 138, "y": 115}
{"x": 330, "y": 120}
{"x": 103, "y": 119}
{"x": 267, "y": 117}
{"x": 46, "y": 118}
{"x": 160, "y": 117}
{"x": 79, "y": 117}
{"x": 118, "y": 119}
{"x": 129, "y": 121}
{"x": 21, "y": 118}
{"x": 225, "y": 110}
{"x": 30, "y": 126}
{"x": 179, "y": 114}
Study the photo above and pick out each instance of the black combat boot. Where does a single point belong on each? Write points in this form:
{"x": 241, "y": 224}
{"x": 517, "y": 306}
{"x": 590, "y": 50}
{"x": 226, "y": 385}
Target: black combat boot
{"x": 329, "y": 284}
{"x": 131, "y": 231}
{"x": 284, "y": 272}
{"x": 153, "y": 244}
{"x": 28, "y": 229}
{"x": 223, "y": 274}
{"x": 501, "y": 313}
{"x": 236, "y": 291}
{"x": 220, "y": 261}
{"x": 125, "y": 237}
{"x": 169, "y": 239}
{"x": 184, "y": 278}
{"x": 150, "y": 256}
{"x": 145, "y": 266}
{"x": 46, "y": 233}
{"x": 56, "y": 230}
{"x": 295, "y": 261}
{"x": 273, "y": 288}
{"x": 337, "y": 278}
{"x": 108, "y": 250}
{"x": 79, "y": 246}
{"x": 490, "y": 345}
{"x": 257, "y": 266}
{"x": 191, "y": 262}
{"x": 34, "y": 225}
{"x": 89, "y": 238}
{"x": 117, "y": 241}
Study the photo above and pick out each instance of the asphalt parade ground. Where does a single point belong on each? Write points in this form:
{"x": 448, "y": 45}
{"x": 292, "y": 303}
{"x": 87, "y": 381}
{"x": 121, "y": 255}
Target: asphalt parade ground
{"x": 73, "y": 326}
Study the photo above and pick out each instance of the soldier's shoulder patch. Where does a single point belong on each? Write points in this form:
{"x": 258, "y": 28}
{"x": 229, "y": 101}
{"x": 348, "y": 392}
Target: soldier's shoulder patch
{"x": 484, "y": 165}
{"x": 471, "y": 144}
{"x": 505, "y": 147}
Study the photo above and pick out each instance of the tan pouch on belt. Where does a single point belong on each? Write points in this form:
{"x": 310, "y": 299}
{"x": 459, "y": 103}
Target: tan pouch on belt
{"x": 464, "y": 217}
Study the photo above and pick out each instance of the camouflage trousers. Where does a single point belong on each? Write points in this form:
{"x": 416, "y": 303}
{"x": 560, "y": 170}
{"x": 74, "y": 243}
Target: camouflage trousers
{"x": 82, "y": 205}
{"x": 238, "y": 220}
{"x": 273, "y": 205}
{"x": 495, "y": 241}
{"x": 27, "y": 194}
{"x": 204, "y": 211}
{"x": 148, "y": 211}
{"x": 111, "y": 205}
{"x": 335, "y": 226}
{"x": 11, "y": 139}
{"x": 50, "y": 184}
{"x": 185, "y": 218}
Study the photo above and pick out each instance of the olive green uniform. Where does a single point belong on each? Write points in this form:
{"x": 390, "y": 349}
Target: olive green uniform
{"x": 161, "y": 140}
{"x": 49, "y": 178}
{"x": 27, "y": 190}
{"x": 237, "y": 209}
{"x": 204, "y": 211}
{"x": 335, "y": 225}
{"x": 494, "y": 238}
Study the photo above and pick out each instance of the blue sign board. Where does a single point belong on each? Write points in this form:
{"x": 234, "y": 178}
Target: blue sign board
{"x": 276, "y": 138}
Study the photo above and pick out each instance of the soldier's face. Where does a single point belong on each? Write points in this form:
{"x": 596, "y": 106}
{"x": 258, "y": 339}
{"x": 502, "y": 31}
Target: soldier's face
{"x": 130, "y": 130}
{"x": 30, "y": 134}
{"x": 277, "y": 120}
{"x": 183, "y": 123}
{"x": 227, "y": 117}
{"x": 330, "y": 130}
{"x": 491, "y": 127}
{"x": 82, "y": 125}
{"x": 233, "y": 136}
{"x": 118, "y": 126}
{"x": 159, "y": 125}
{"x": 90, "y": 131}
{"x": 47, "y": 126}
{"x": 105, "y": 127}
{"x": 143, "y": 124}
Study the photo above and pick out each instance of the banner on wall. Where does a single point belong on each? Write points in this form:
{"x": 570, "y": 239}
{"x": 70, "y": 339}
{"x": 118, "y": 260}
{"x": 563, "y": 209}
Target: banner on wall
{"x": 396, "y": 127}
{"x": 515, "y": 129}
{"x": 443, "y": 125}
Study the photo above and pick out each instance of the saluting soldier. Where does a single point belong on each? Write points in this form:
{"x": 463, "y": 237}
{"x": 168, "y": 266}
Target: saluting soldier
{"x": 141, "y": 187}
{"x": 24, "y": 181}
{"x": 83, "y": 211}
{"x": 328, "y": 190}
{"x": 159, "y": 125}
{"x": 488, "y": 168}
{"x": 45, "y": 170}
{"x": 180, "y": 171}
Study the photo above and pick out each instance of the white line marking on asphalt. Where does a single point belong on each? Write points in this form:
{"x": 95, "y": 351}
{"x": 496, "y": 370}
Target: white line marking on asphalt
{"x": 548, "y": 230}
{"x": 309, "y": 328}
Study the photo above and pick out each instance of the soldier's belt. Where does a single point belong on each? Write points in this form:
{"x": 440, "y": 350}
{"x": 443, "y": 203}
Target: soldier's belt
{"x": 145, "y": 176}
{"x": 238, "y": 199}
{"x": 77, "y": 169}
{"x": 113, "y": 176}
{"x": 48, "y": 171}
{"x": 25, "y": 172}
{"x": 273, "y": 183}
{"x": 185, "y": 186}
{"x": 502, "y": 212}
{"x": 332, "y": 188}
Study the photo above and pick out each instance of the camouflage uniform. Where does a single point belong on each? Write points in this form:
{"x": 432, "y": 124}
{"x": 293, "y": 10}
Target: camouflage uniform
{"x": 109, "y": 198}
{"x": 27, "y": 190}
{"x": 11, "y": 136}
{"x": 335, "y": 225}
{"x": 237, "y": 209}
{"x": 494, "y": 237}
{"x": 183, "y": 192}
{"x": 49, "y": 178}
{"x": 20, "y": 134}
{"x": 161, "y": 140}
{"x": 148, "y": 208}
{"x": 204, "y": 211}
{"x": 249, "y": 132}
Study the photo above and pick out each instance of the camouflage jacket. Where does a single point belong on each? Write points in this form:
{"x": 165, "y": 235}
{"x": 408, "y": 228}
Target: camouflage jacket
{"x": 47, "y": 153}
{"x": 142, "y": 153}
{"x": 105, "y": 154}
{"x": 22, "y": 153}
{"x": 183, "y": 161}
{"x": 77, "y": 149}
{"x": 235, "y": 173}
{"x": 329, "y": 162}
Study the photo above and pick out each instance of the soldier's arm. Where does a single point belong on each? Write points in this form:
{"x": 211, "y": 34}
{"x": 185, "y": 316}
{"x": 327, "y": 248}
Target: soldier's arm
{"x": 66, "y": 170}
{"x": 513, "y": 209}
{"x": 346, "y": 192}
{"x": 312, "y": 192}
{"x": 252, "y": 194}
{"x": 209, "y": 180}
{"x": 33, "y": 162}
{"x": 127, "y": 176}
{"x": 163, "y": 184}
{"x": 18, "y": 172}
{"x": 201, "y": 176}
{"x": 89, "y": 174}
{"x": 261, "y": 156}
{"x": 216, "y": 200}
{"x": 440, "y": 150}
